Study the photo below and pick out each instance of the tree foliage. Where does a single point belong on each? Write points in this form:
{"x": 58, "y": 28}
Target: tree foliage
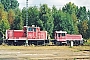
{"x": 46, "y": 18}
{"x": 3, "y": 14}
{"x": 4, "y": 25}
{"x": 82, "y": 13}
{"x": 69, "y": 18}
{"x": 11, "y": 17}
{"x": 9, "y": 4}
{"x": 24, "y": 15}
{"x": 83, "y": 21}
{"x": 18, "y": 22}
{"x": 83, "y": 27}
{"x": 33, "y": 16}
{"x": 71, "y": 10}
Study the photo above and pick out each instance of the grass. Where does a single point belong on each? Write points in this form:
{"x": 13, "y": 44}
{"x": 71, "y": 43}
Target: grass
{"x": 87, "y": 43}
{"x": 41, "y": 48}
{"x": 82, "y": 48}
{"x": 74, "y": 48}
{"x": 33, "y": 47}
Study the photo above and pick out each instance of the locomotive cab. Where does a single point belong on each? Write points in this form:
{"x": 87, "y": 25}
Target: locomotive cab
{"x": 60, "y": 37}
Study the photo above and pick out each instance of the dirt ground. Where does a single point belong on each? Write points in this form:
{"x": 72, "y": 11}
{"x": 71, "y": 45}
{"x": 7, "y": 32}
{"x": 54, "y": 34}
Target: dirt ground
{"x": 44, "y": 53}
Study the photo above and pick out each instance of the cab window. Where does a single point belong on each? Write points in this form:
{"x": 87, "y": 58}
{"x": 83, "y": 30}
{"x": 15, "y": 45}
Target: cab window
{"x": 59, "y": 34}
{"x": 34, "y": 29}
{"x": 63, "y": 34}
{"x": 30, "y": 29}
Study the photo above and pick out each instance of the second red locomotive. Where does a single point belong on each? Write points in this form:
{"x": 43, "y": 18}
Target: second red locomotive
{"x": 61, "y": 37}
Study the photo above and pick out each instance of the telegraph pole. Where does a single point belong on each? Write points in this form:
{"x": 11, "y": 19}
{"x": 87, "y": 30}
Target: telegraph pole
{"x": 27, "y": 22}
{"x": 26, "y": 12}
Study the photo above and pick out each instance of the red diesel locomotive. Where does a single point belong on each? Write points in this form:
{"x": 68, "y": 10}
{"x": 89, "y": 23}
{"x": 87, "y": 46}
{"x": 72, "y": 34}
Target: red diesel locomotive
{"x": 33, "y": 35}
{"x": 61, "y": 37}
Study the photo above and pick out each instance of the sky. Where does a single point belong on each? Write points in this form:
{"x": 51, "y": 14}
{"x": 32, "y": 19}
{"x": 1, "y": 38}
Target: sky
{"x": 57, "y": 3}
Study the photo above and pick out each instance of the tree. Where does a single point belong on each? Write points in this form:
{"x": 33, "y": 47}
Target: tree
{"x": 4, "y": 25}
{"x": 75, "y": 23}
{"x": 62, "y": 20}
{"x": 55, "y": 21}
{"x": 33, "y": 16}
{"x": 1, "y": 10}
{"x": 46, "y": 18}
{"x": 9, "y": 4}
{"x": 71, "y": 9}
{"x": 3, "y": 14}
{"x": 66, "y": 23}
{"x": 82, "y": 14}
{"x": 24, "y": 15}
{"x": 83, "y": 27}
{"x": 88, "y": 30}
{"x": 11, "y": 17}
{"x": 18, "y": 22}
{"x": 83, "y": 21}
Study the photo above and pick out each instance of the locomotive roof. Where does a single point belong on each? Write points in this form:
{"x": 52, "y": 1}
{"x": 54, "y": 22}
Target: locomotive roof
{"x": 60, "y": 31}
